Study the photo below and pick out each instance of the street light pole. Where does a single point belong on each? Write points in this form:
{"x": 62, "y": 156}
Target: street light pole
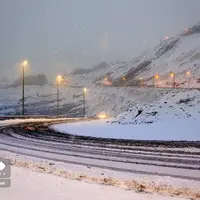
{"x": 23, "y": 90}
{"x": 58, "y": 79}
{"x": 84, "y": 104}
{"x": 141, "y": 82}
{"x": 84, "y": 94}
{"x": 153, "y": 81}
{"x": 155, "y": 77}
{"x": 188, "y": 74}
{"x": 57, "y": 84}
{"x": 174, "y": 81}
{"x": 24, "y": 63}
{"x": 173, "y": 75}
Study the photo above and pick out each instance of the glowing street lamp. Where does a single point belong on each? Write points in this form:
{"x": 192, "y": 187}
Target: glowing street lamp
{"x": 58, "y": 81}
{"x": 84, "y": 96}
{"x": 124, "y": 80}
{"x": 23, "y": 64}
{"x": 156, "y": 77}
{"x": 173, "y": 76}
{"x": 141, "y": 80}
{"x": 188, "y": 74}
{"x": 102, "y": 115}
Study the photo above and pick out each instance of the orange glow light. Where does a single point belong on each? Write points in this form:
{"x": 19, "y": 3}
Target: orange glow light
{"x": 172, "y": 74}
{"x": 156, "y": 76}
{"x": 188, "y": 73}
{"x": 102, "y": 116}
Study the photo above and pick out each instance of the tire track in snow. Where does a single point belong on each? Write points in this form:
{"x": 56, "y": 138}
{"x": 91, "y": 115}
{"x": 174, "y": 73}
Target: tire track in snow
{"x": 68, "y": 149}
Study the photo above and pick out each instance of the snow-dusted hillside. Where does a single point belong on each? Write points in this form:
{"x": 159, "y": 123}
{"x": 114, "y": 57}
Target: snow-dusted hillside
{"x": 173, "y": 106}
{"x": 178, "y": 55}
{"x": 42, "y": 100}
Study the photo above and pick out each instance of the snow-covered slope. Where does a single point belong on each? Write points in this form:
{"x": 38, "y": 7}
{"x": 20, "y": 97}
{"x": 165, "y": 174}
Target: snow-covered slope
{"x": 173, "y": 106}
{"x": 178, "y": 55}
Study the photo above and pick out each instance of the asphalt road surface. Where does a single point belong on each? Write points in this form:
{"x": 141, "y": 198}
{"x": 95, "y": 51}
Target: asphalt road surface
{"x": 173, "y": 159}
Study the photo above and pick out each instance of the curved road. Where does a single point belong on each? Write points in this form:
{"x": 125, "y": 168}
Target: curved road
{"x": 175, "y": 159}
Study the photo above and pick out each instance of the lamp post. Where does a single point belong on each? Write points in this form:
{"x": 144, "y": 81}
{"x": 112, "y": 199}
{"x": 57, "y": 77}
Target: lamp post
{"x": 58, "y": 79}
{"x": 24, "y": 64}
{"x": 188, "y": 75}
{"x": 155, "y": 77}
{"x": 84, "y": 94}
{"x": 173, "y": 76}
{"x": 124, "y": 80}
{"x": 141, "y": 81}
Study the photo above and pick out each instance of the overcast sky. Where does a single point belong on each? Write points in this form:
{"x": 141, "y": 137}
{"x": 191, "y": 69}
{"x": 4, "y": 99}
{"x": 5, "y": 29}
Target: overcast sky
{"x": 64, "y": 34}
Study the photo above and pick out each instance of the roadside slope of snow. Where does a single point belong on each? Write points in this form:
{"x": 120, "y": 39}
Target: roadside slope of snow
{"x": 45, "y": 186}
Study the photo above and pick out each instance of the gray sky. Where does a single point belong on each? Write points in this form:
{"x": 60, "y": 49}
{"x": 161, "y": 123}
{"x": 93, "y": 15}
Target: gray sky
{"x": 58, "y": 34}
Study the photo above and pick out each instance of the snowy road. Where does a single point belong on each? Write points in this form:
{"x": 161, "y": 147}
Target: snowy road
{"x": 179, "y": 160}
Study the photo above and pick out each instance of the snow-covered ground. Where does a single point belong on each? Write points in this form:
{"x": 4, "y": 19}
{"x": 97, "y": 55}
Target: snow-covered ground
{"x": 27, "y": 184}
{"x": 174, "y": 117}
{"x": 187, "y": 130}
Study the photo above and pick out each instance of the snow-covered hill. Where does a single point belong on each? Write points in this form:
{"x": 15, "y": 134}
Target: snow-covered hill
{"x": 179, "y": 55}
{"x": 173, "y": 106}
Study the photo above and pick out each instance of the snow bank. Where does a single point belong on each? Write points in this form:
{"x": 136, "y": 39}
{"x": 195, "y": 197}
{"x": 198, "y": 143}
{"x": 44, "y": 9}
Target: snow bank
{"x": 187, "y": 130}
{"x": 45, "y": 186}
{"x": 174, "y": 117}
